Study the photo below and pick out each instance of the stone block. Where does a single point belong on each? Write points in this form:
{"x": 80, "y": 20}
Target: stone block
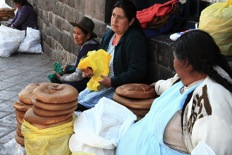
{"x": 80, "y": 5}
{"x": 66, "y": 14}
{"x": 94, "y": 9}
{"x": 47, "y": 49}
{"x": 100, "y": 28}
{"x": 59, "y": 9}
{"x": 160, "y": 54}
{"x": 152, "y": 72}
{"x": 58, "y": 21}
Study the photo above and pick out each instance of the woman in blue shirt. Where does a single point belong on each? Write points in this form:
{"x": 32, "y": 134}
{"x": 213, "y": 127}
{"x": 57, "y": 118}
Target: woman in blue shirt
{"x": 25, "y": 16}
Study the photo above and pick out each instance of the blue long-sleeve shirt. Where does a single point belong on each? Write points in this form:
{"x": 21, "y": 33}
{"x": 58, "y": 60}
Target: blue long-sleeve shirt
{"x": 130, "y": 57}
{"x": 25, "y": 17}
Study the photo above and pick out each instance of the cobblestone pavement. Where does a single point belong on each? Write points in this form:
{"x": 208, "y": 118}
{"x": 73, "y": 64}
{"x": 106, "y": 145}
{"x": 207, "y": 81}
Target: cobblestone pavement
{"x": 16, "y": 72}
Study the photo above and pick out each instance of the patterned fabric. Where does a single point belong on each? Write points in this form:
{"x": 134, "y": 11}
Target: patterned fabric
{"x": 89, "y": 98}
{"x": 207, "y": 121}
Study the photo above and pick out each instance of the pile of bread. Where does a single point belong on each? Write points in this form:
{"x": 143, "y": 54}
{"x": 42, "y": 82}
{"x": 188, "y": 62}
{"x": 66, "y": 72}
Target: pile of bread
{"x": 137, "y": 97}
{"x": 6, "y": 13}
{"x": 45, "y": 105}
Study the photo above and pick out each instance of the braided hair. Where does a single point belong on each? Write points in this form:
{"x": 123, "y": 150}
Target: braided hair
{"x": 201, "y": 51}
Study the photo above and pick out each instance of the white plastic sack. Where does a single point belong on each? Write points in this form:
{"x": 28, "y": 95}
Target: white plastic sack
{"x": 10, "y": 40}
{"x": 31, "y": 43}
{"x": 98, "y": 130}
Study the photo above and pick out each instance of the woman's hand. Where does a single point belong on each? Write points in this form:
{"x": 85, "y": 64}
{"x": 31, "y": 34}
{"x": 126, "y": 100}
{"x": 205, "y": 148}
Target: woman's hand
{"x": 106, "y": 81}
{"x": 64, "y": 69}
{"x": 57, "y": 75}
{"x": 88, "y": 72}
{"x": 153, "y": 85}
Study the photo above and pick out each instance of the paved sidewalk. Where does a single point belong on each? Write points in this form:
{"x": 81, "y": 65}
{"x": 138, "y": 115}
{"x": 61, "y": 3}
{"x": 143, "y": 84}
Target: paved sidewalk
{"x": 16, "y": 72}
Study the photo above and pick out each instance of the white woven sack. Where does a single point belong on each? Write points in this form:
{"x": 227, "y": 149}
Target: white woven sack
{"x": 31, "y": 43}
{"x": 10, "y": 40}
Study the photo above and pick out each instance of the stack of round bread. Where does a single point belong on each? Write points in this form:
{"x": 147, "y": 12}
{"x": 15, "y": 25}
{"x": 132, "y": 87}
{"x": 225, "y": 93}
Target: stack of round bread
{"x": 6, "y": 13}
{"x": 136, "y": 97}
{"x": 21, "y": 107}
{"x": 53, "y": 105}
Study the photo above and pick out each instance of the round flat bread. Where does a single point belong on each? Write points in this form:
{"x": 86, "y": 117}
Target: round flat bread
{"x": 19, "y": 119}
{"x": 26, "y": 93}
{"x": 42, "y": 112}
{"x": 53, "y": 106}
{"x": 133, "y": 103}
{"x": 21, "y": 106}
{"x": 45, "y": 126}
{"x": 18, "y": 123}
{"x": 19, "y": 133}
{"x": 136, "y": 90}
{"x": 55, "y": 93}
{"x": 19, "y": 126}
{"x": 31, "y": 117}
{"x": 19, "y": 140}
{"x": 19, "y": 113}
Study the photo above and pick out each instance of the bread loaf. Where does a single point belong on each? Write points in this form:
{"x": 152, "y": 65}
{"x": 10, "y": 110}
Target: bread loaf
{"x": 133, "y": 103}
{"x": 135, "y": 90}
{"x": 55, "y": 93}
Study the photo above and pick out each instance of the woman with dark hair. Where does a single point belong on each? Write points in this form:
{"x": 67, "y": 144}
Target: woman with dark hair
{"x": 193, "y": 113}
{"x": 83, "y": 36}
{"x": 127, "y": 45}
{"x": 25, "y": 16}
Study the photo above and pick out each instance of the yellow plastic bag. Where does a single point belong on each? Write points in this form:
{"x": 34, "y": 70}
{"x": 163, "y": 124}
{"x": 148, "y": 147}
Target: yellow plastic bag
{"x": 216, "y": 19}
{"x": 99, "y": 62}
{"x": 49, "y": 141}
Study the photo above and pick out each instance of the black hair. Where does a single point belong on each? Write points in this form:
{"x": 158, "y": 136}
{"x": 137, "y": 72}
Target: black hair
{"x": 201, "y": 51}
{"x": 23, "y": 2}
{"x": 130, "y": 11}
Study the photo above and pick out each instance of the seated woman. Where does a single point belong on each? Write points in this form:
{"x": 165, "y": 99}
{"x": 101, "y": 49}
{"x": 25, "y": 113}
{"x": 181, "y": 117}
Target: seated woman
{"x": 126, "y": 44}
{"x": 83, "y": 36}
{"x": 25, "y": 16}
{"x": 192, "y": 115}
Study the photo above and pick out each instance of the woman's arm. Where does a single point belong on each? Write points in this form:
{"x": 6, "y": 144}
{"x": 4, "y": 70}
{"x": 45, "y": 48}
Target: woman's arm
{"x": 22, "y": 16}
{"x": 162, "y": 85}
{"x": 13, "y": 20}
{"x": 75, "y": 76}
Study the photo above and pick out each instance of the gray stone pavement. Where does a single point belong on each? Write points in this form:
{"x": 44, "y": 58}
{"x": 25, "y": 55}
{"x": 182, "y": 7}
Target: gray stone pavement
{"x": 16, "y": 72}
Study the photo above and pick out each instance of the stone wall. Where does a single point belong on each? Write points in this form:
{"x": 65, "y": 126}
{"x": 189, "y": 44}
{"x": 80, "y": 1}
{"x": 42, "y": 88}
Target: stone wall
{"x": 57, "y": 40}
{"x": 56, "y": 32}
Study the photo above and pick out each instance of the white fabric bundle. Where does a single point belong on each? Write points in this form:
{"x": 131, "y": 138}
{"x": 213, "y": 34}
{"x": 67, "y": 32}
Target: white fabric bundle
{"x": 10, "y": 40}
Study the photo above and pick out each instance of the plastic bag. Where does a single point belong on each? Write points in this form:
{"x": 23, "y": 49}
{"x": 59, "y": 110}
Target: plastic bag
{"x": 10, "y": 40}
{"x": 58, "y": 68}
{"x": 216, "y": 19}
{"x": 49, "y": 141}
{"x": 98, "y": 130}
{"x": 31, "y": 43}
{"x": 99, "y": 62}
